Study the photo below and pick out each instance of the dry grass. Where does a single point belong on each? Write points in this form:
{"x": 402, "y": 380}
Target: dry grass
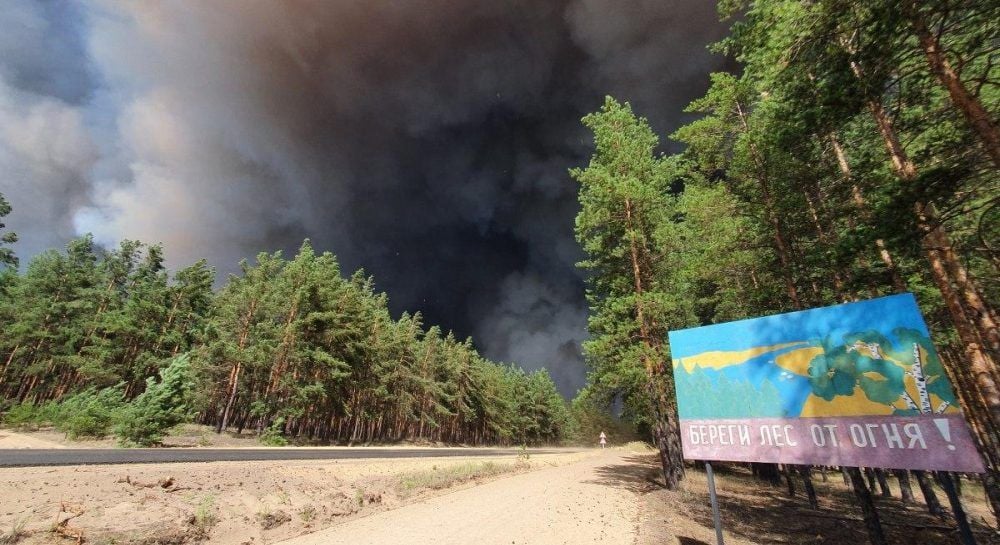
{"x": 447, "y": 476}
{"x": 14, "y": 534}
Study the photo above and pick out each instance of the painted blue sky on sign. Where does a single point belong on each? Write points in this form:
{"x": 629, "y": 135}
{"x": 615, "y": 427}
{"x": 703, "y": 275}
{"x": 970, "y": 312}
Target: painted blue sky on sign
{"x": 883, "y": 315}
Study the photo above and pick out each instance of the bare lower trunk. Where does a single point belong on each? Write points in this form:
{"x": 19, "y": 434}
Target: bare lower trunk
{"x": 234, "y": 382}
{"x": 665, "y": 433}
{"x": 806, "y": 473}
{"x": 883, "y": 484}
{"x": 789, "y": 481}
{"x": 859, "y": 201}
{"x": 930, "y": 498}
{"x": 665, "y": 426}
{"x": 905, "y": 490}
{"x": 872, "y": 523}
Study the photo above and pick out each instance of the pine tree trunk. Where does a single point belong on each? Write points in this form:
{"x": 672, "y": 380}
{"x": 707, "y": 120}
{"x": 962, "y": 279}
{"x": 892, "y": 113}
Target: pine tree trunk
{"x": 870, "y": 476}
{"x": 872, "y": 523}
{"x": 930, "y": 498}
{"x": 767, "y": 472}
{"x": 789, "y": 481}
{"x": 905, "y": 490}
{"x": 806, "y": 473}
{"x": 939, "y": 253}
{"x": 991, "y": 487}
{"x": 666, "y": 428}
{"x": 952, "y": 491}
{"x": 10, "y": 358}
{"x": 859, "y": 201}
{"x": 883, "y": 484}
{"x": 838, "y": 281}
{"x": 234, "y": 374}
{"x": 965, "y": 102}
{"x": 234, "y": 381}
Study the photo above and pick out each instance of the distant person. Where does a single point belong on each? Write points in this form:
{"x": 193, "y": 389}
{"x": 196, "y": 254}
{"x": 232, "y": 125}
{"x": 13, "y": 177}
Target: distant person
{"x": 604, "y": 439}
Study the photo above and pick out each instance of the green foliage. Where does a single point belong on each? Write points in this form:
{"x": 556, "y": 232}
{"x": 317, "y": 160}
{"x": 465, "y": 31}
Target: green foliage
{"x": 789, "y": 193}
{"x": 205, "y": 516}
{"x": 23, "y": 416}
{"x": 7, "y": 257}
{"x": 589, "y": 417}
{"x": 285, "y": 340}
{"x": 164, "y": 404}
{"x": 90, "y": 413}
{"x": 272, "y": 435}
{"x": 626, "y": 208}
{"x": 447, "y": 476}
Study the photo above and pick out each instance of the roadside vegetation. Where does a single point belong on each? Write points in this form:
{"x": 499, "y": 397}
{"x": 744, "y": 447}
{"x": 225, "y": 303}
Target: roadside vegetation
{"x": 100, "y": 341}
{"x": 94, "y": 413}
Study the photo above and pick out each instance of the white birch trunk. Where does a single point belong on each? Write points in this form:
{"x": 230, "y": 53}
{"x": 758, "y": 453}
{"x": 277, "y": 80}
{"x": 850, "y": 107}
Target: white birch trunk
{"x": 917, "y": 372}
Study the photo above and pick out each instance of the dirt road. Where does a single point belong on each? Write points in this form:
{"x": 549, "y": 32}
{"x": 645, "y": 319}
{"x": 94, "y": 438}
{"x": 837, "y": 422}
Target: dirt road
{"x": 578, "y": 504}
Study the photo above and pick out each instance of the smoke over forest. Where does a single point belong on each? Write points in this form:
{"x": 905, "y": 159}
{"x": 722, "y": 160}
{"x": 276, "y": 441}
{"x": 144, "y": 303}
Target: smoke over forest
{"x": 426, "y": 142}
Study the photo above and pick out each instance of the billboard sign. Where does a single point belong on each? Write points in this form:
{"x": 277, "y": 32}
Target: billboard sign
{"x": 857, "y": 384}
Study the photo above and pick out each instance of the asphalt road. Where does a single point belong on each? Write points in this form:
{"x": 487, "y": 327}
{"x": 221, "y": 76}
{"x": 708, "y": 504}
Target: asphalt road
{"x": 68, "y": 457}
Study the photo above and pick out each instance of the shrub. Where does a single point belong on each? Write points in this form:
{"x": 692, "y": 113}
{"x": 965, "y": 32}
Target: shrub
{"x": 163, "y": 405}
{"x": 22, "y": 416}
{"x": 271, "y": 436}
{"x": 89, "y": 413}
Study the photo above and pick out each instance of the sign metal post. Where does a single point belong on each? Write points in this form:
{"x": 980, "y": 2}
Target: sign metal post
{"x": 715, "y": 503}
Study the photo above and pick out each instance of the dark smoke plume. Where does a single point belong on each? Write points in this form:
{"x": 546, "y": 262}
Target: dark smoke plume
{"x": 426, "y": 141}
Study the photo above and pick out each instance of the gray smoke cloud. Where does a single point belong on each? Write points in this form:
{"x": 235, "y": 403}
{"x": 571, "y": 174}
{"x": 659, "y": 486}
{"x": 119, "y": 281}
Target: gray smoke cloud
{"x": 425, "y": 141}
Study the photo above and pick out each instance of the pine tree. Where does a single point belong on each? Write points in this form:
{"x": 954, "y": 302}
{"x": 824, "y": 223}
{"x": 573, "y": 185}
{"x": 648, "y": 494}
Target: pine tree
{"x": 7, "y": 257}
{"x": 624, "y": 198}
{"x": 162, "y": 405}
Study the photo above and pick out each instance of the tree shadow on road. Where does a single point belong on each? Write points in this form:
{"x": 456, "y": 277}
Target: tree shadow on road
{"x": 635, "y": 475}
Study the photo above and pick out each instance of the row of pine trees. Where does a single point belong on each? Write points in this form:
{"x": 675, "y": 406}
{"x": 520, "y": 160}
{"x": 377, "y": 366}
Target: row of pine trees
{"x": 291, "y": 343}
{"x": 855, "y": 153}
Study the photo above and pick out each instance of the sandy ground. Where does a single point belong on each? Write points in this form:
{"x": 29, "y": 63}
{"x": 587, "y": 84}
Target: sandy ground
{"x": 185, "y": 435}
{"x": 572, "y": 504}
{"x": 227, "y": 502}
{"x": 10, "y": 439}
{"x": 611, "y": 497}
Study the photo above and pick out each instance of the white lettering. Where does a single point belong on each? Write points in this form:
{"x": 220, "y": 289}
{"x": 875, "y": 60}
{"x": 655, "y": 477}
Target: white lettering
{"x": 912, "y": 430}
{"x": 832, "y": 429}
{"x": 858, "y": 435}
{"x": 788, "y": 437}
{"x": 871, "y": 435}
{"x": 819, "y": 439}
{"x": 892, "y": 437}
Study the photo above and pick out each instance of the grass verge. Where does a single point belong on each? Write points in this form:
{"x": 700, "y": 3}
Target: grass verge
{"x": 439, "y": 478}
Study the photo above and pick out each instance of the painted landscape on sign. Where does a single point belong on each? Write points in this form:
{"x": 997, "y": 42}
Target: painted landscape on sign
{"x": 856, "y": 384}
{"x": 889, "y": 367}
